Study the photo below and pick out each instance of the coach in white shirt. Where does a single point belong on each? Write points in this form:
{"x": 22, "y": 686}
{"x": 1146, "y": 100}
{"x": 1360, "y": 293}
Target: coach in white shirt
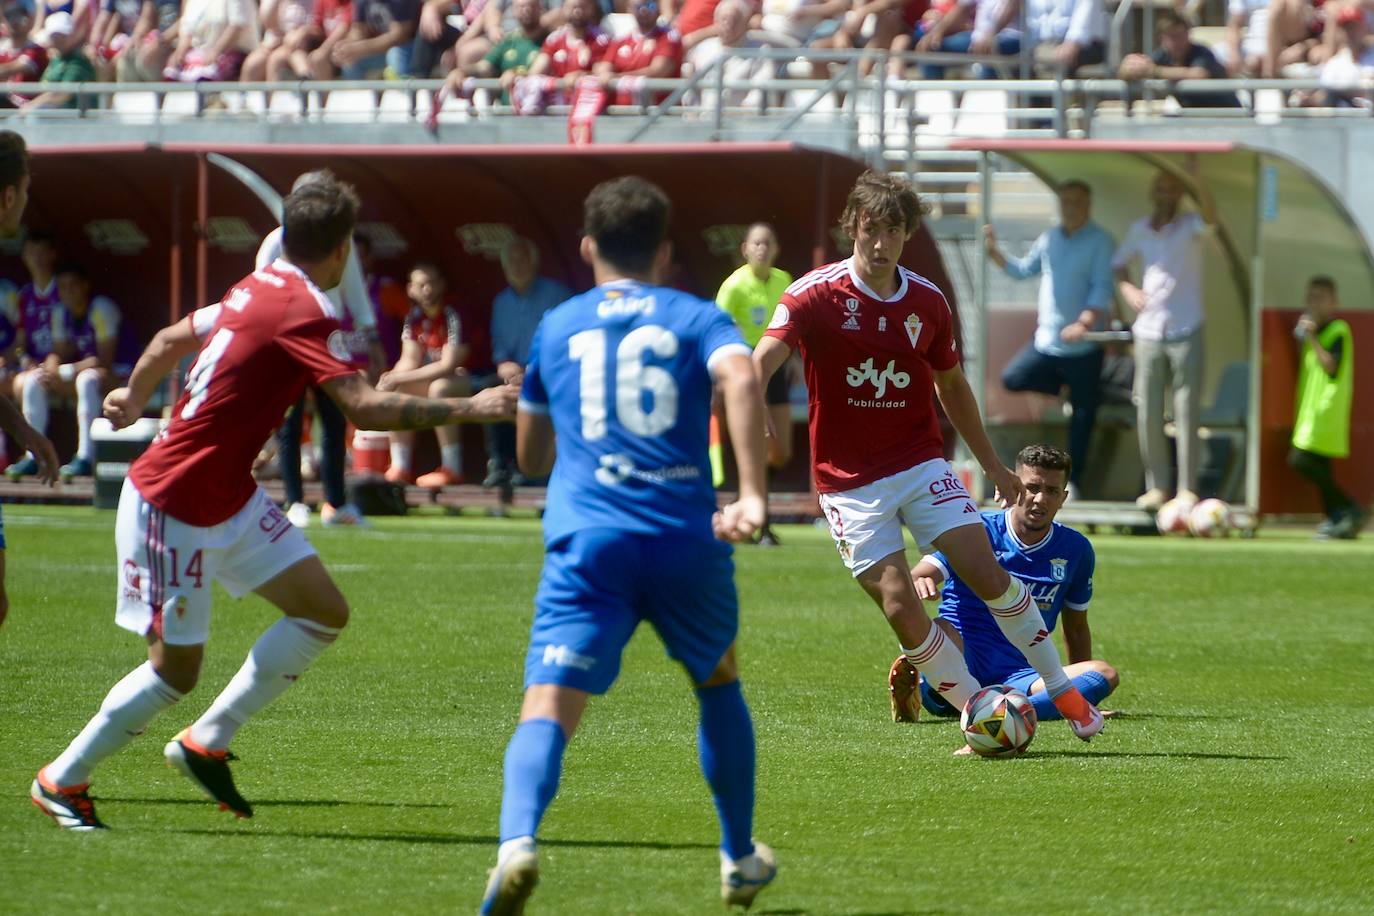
{"x": 1168, "y": 326}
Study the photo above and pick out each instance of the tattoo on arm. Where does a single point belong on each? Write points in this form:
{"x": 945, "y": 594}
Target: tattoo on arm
{"x": 417, "y": 413}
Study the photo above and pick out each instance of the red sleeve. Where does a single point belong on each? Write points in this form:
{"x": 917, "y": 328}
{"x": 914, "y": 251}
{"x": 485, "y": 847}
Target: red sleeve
{"x": 944, "y": 351}
{"x": 670, "y": 47}
{"x": 319, "y": 345}
{"x": 791, "y": 319}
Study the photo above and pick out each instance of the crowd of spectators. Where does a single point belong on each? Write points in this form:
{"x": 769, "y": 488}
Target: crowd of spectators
{"x": 542, "y": 49}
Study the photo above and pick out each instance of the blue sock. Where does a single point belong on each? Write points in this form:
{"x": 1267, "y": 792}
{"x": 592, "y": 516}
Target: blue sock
{"x": 935, "y": 704}
{"x": 726, "y": 744}
{"x": 534, "y": 760}
{"x": 1091, "y": 684}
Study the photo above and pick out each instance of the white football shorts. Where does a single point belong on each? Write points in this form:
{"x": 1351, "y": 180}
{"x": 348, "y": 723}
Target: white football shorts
{"x": 166, "y": 566}
{"x": 866, "y": 522}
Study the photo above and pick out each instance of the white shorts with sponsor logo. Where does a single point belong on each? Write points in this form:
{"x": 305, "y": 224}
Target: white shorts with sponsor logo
{"x": 166, "y": 566}
{"x": 866, "y": 522}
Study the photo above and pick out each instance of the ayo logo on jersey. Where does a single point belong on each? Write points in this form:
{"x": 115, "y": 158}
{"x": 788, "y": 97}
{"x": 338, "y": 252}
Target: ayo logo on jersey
{"x": 866, "y": 372}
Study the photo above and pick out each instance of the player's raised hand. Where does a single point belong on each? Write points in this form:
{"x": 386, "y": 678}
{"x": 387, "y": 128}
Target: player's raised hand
{"x": 1009, "y": 489}
{"x": 739, "y": 520}
{"x": 121, "y": 408}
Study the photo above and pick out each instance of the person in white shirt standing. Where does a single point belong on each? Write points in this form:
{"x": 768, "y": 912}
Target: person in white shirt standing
{"x": 1168, "y": 326}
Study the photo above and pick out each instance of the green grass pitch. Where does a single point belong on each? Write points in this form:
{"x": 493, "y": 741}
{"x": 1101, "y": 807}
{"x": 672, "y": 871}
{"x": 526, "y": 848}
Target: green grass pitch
{"x": 1241, "y": 778}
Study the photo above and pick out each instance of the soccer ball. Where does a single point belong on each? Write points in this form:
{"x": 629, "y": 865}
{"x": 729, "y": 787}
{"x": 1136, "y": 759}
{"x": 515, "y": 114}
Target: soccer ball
{"x": 1172, "y": 517}
{"x": 1210, "y": 518}
{"x": 998, "y": 721}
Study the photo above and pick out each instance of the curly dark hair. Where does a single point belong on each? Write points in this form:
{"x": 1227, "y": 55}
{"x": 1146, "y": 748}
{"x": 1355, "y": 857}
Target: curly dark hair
{"x": 1045, "y": 458}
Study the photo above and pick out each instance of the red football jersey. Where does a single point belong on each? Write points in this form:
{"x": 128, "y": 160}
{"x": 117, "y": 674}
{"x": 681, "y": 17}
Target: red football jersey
{"x": 433, "y": 333}
{"x": 868, "y": 371}
{"x": 273, "y": 334}
{"x": 570, "y": 54}
{"x": 636, "y": 51}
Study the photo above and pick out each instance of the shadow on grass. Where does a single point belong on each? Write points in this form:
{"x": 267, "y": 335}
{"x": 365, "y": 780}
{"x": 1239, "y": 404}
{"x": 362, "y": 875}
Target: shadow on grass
{"x": 274, "y": 803}
{"x": 439, "y": 839}
{"x": 792, "y": 912}
{"x": 1169, "y": 755}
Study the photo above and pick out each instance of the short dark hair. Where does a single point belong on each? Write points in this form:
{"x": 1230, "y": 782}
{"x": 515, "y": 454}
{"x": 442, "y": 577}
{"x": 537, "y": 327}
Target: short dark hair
{"x": 431, "y": 268}
{"x": 1322, "y": 281}
{"x": 882, "y": 196}
{"x": 1074, "y": 184}
{"x": 628, "y": 219}
{"x": 14, "y": 159}
{"x": 1167, "y": 19}
{"x": 1046, "y": 458}
{"x": 761, "y": 225}
{"x": 76, "y": 268}
{"x": 317, "y": 218}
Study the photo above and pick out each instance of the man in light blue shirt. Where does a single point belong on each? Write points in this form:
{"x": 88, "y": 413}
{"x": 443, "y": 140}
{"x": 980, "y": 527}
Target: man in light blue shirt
{"x": 515, "y": 314}
{"x": 1074, "y": 261}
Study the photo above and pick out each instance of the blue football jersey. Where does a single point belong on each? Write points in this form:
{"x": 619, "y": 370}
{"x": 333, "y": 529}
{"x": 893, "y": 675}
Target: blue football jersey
{"x": 624, "y": 372}
{"x": 1058, "y": 571}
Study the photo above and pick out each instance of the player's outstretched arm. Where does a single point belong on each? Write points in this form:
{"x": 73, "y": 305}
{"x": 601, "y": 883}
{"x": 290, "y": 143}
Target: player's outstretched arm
{"x": 125, "y": 405}
{"x": 535, "y": 448}
{"x": 1078, "y": 637}
{"x": 927, "y": 577}
{"x": 369, "y": 408}
{"x": 962, "y": 409}
{"x": 744, "y": 416}
{"x": 769, "y": 357}
{"x": 17, "y": 428}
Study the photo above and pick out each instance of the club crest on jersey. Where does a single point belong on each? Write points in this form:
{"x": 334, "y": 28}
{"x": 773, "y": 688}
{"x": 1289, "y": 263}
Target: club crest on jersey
{"x": 851, "y": 324}
{"x": 851, "y": 306}
{"x": 338, "y": 347}
{"x": 913, "y": 328}
{"x": 1059, "y": 569}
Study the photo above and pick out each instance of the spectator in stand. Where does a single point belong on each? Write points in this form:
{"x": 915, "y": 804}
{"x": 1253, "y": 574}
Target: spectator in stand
{"x": 82, "y": 13}
{"x": 1074, "y": 261}
{"x": 432, "y": 354}
{"x": 1351, "y": 60}
{"x": 330, "y": 24}
{"x": 286, "y": 28}
{"x": 1175, "y": 58}
{"x": 23, "y": 60}
{"x": 453, "y": 33}
{"x": 1168, "y": 327}
{"x": 1289, "y": 34}
{"x": 152, "y": 43}
{"x": 647, "y": 51}
{"x": 380, "y": 40}
{"x": 515, "y": 315}
{"x": 895, "y": 22}
{"x": 749, "y": 296}
{"x": 67, "y": 63}
{"x": 87, "y": 361}
{"x": 112, "y": 35}
{"x": 214, "y": 37}
{"x": 509, "y": 60}
{"x": 978, "y": 27}
{"x": 1067, "y": 34}
{"x": 568, "y": 54}
{"x": 695, "y": 20}
{"x": 732, "y": 34}
{"x": 1326, "y": 385}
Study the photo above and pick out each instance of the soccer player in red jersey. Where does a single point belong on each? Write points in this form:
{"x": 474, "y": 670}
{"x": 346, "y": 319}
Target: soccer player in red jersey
{"x": 877, "y": 340}
{"x": 191, "y": 512}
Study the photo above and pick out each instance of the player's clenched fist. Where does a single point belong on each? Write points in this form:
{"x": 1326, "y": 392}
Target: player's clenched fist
{"x": 739, "y": 520}
{"x": 121, "y": 408}
{"x": 498, "y": 401}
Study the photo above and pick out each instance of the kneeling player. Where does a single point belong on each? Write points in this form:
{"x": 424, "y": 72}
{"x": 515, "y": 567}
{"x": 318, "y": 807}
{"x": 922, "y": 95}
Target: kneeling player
{"x": 1054, "y": 561}
{"x": 191, "y": 513}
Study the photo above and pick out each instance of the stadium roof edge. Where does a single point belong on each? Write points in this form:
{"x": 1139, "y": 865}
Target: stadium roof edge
{"x": 482, "y": 149}
{"x": 992, "y": 145}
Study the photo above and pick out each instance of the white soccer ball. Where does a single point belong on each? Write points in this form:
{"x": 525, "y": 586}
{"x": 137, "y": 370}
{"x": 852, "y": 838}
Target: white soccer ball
{"x": 998, "y": 721}
{"x": 1210, "y": 518}
{"x": 1172, "y": 517}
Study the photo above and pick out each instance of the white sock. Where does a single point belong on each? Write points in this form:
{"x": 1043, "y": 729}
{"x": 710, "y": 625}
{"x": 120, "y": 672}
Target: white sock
{"x": 278, "y": 657}
{"x": 400, "y": 455}
{"x": 128, "y": 708}
{"x": 1025, "y": 629}
{"x": 87, "y": 409}
{"x": 944, "y": 666}
{"x": 451, "y": 456}
{"x": 36, "y": 405}
{"x": 511, "y": 847}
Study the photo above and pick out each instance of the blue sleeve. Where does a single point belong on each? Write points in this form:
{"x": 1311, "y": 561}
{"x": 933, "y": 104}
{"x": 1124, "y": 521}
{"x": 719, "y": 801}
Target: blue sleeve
{"x": 1080, "y": 592}
{"x": 1102, "y": 285}
{"x": 533, "y": 396}
{"x": 720, "y": 336}
{"x": 502, "y": 346}
{"x": 1029, "y": 266}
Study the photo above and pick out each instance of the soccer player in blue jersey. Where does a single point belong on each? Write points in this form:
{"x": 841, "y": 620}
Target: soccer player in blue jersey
{"x": 1053, "y": 561}
{"x": 621, "y": 377}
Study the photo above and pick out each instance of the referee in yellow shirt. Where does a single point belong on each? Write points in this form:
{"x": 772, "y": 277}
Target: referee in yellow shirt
{"x": 749, "y": 296}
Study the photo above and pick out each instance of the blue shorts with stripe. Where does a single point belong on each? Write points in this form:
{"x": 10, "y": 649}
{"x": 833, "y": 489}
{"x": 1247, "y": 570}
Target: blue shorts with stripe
{"x": 598, "y": 584}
